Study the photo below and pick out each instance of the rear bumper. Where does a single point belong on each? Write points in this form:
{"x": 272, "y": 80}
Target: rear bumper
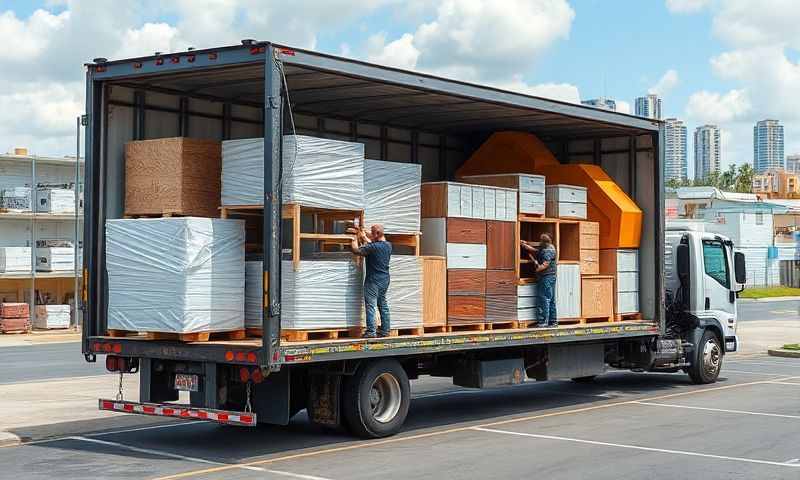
{"x": 243, "y": 419}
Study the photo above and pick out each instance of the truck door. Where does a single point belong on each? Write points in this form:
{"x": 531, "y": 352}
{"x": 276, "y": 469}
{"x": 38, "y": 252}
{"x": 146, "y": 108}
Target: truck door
{"x": 719, "y": 298}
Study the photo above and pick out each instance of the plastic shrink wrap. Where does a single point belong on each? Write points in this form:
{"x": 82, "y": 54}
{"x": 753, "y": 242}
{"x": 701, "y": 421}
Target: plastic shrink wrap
{"x": 52, "y": 316}
{"x": 55, "y": 200}
{"x": 317, "y": 172}
{"x": 16, "y": 199}
{"x": 392, "y": 195}
{"x": 15, "y": 259}
{"x": 178, "y": 275}
{"x": 405, "y": 291}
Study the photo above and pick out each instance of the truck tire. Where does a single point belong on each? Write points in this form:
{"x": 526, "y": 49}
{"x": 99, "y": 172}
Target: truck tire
{"x": 376, "y": 398}
{"x": 707, "y": 359}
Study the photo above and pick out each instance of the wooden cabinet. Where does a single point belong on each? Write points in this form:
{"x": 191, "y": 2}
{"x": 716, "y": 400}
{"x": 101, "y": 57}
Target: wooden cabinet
{"x": 597, "y": 296}
{"x": 623, "y": 264}
{"x": 465, "y": 309}
{"x": 500, "y": 245}
{"x": 568, "y": 290}
{"x": 466, "y": 282}
{"x": 434, "y": 291}
{"x": 466, "y": 230}
{"x": 501, "y": 308}
{"x": 501, "y": 282}
{"x": 590, "y": 248}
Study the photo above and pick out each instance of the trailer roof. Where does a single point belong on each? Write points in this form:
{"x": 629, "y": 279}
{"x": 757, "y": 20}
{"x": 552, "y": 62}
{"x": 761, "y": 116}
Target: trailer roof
{"x": 326, "y": 85}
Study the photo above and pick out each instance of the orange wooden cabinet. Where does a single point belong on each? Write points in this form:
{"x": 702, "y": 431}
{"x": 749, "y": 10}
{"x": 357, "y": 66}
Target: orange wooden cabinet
{"x": 466, "y": 282}
{"x": 465, "y": 310}
{"x": 597, "y": 296}
{"x": 589, "y": 248}
{"x": 501, "y": 245}
{"x": 466, "y": 230}
{"x": 434, "y": 291}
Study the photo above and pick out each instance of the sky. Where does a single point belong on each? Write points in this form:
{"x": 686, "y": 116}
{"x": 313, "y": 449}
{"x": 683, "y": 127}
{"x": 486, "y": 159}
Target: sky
{"x": 724, "y": 62}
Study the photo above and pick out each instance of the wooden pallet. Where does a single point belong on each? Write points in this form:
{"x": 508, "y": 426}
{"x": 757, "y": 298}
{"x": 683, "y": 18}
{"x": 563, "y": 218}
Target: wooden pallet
{"x": 435, "y": 328}
{"x": 469, "y": 327}
{"x": 182, "y": 337}
{"x": 502, "y": 325}
{"x": 627, "y": 316}
{"x": 609, "y": 318}
{"x": 321, "y": 334}
{"x": 155, "y": 215}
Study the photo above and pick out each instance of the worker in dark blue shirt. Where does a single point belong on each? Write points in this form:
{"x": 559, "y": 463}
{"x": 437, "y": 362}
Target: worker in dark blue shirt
{"x": 544, "y": 264}
{"x": 377, "y": 253}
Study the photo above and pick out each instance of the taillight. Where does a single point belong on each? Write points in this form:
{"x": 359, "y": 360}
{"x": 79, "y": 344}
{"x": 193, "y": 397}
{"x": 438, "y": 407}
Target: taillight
{"x": 257, "y": 376}
{"x": 251, "y": 357}
{"x": 112, "y": 365}
{"x": 244, "y": 374}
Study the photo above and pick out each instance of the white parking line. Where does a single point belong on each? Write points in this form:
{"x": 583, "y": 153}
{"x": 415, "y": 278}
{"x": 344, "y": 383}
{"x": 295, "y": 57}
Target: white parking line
{"x": 639, "y": 447}
{"x": 176, "y": 456}
{"x": 721, "y": 410}
{"x": 747, "y": 372}
{"x": 783, "y": 383}
{"x": 769, "y": 364}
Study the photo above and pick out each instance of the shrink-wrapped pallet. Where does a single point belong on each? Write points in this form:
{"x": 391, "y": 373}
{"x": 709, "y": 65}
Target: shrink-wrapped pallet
{"x": 55, "y": 259}
{"x": 317, "y": 172}
{"x": 16, "y": 199}
{"x": 253, "y": 293}
{"x": 175, "y": 275}
{"x": 405, "y": 291}
{"x": 52, "y": 316}
{"x": 15, "y": 259}
{"x": 392, "y": 195}
{"x": 55, "y": 200}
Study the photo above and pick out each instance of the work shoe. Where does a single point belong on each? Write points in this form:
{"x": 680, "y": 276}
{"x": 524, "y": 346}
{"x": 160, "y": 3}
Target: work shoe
{"x": 369, "y": 335}
{"x": 384, "y": 334}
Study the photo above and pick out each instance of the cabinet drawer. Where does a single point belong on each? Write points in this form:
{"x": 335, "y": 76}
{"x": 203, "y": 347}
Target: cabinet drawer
{"x": 531, "y": 183}
{"x": 590, "y": 241}
{"x": 565, "y": 210}
{"x": 466, "y": 309}
{"x": 501, "y": 282}
{"x": 566, "y": 193}
{"x": 627, "y": 302}
{"x": 589, "y": 228}
{"x": 627, "y": 260}
{"x": 531, "y": 203}
{"x": 628, "y": 282}
{"x": 466, "y": 282}
{"x": 466, "y": 230}
{"x": 466, "y": 255}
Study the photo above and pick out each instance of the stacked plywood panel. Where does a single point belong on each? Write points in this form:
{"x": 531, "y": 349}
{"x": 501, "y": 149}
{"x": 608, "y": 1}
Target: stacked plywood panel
{"x": 392, "y": 195}
{"x": 623, "y": 265}
{"x": 166, "y": 176}
{"x": 531, "y": 188}
{"x": 479, "y": 252}
{"x": 14, "y": 317}
{"x": 55, "y": 200}
{"x": 566, "y": 201}
{"x": 15, "y": 259}
{"x": 52, "y": 316}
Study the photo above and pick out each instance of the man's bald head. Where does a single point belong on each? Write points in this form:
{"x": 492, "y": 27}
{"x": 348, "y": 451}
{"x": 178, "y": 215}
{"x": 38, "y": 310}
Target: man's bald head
{"x": 377, "y": 231}
{"x": 545, "y": 239}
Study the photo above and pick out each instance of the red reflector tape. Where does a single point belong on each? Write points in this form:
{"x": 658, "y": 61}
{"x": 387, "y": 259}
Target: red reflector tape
{"x": 287, "y": 51}
{"x": 221, "y": 416}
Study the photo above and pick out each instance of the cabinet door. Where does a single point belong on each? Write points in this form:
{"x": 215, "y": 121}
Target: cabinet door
{"x": 466, "y": 282}
{"x": 501, "y": 282}
{"x": 466, "y": 230}
{"x": 465, "y": 309}
{"x": 466, "y": 255}
{"x": 500, "y": 245}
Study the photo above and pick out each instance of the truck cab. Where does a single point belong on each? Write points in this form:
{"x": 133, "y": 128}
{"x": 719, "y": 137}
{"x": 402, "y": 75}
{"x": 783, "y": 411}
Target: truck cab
{"x": 703, "y": 278}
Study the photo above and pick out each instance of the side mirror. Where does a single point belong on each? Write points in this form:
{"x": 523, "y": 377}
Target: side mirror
{"x": 739, "y": 270}
{"x": 682, "y": 260}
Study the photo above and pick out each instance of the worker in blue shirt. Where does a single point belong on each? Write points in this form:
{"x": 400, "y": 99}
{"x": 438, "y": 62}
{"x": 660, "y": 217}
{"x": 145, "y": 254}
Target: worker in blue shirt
{"x": 377, "y": 253}
{"x": 544, "y": 264}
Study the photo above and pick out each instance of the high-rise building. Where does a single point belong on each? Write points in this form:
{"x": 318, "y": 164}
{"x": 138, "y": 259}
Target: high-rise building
{"x": 649, "y": 106}
{"x": 793, "y": 163}
{"x": 601, "y": 103}
{"x": 707, "y": 151}
{"x": 675, "y": 150}
{"x": 767, "y": 145}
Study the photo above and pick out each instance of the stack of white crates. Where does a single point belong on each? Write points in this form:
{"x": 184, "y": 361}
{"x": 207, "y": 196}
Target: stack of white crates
{"x": 15, "y": 259}
{"x": 55, "y": 259}
{"x": 52, "y": 316}
{"x": 566, "y": 201}
{"x": 55, "y": 200}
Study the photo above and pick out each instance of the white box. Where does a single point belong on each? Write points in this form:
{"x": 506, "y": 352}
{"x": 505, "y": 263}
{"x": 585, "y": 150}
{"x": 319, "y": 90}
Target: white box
{"x": 628, "y": 281}
{"x": 627, "y": 302}
{"x": 15, "y": 259}
{"x": 524, "y": 182}
{"x": 55, "y": 259}
{"x": 55, "y": 200}
{"x": 176, "y": 275}
{"x": 392, "y": 195}
{"x": 318, "y": 172}
{"x": 568, "y": 290}
{"x": 466, "y": 255}
{"x": 566, "y": 193}
{"x": 627, "y": 260}
{"x": 527, "y": 290}
{"x": 480, "y": 201}
{"x": 565, "y": 210}
{"x": 532, "y": 203}
{"x": 52, "y": 316}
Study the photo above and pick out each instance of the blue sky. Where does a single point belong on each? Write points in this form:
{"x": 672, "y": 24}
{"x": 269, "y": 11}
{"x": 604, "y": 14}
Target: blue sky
{"x": 731, "y": 62}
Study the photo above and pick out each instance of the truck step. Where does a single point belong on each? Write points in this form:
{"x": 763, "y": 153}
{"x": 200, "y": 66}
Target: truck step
{"x": 182, "y": 337}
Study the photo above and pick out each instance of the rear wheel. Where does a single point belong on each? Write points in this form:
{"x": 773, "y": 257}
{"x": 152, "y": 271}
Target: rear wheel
{"x": 376, "y": 398}
{"x": 707, "y": 361}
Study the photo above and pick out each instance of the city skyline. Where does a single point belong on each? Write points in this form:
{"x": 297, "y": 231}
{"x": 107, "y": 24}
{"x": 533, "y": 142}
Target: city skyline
{"x": 675, "y": 161}
{"x": 768, "y": 145}
{"x": 648, "y": 106}
{"x": 707, "y": 151}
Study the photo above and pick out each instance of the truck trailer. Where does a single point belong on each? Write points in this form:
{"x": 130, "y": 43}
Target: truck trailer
{"x": 688, "y": 281}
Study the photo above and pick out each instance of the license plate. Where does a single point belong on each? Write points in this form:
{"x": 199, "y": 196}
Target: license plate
{"x": 186, "y": 383}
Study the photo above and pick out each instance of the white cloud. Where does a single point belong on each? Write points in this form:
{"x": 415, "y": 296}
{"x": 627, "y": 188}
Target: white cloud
{"x": 399, "y": 53}
{"x": 665, "y": 84}
{"x": 715, "y": 108}
{"x": 564, "y": 92}
{"x": 686, "y": 6}
{"x": 29, "y": 37}
{"x": 744, "y": 23}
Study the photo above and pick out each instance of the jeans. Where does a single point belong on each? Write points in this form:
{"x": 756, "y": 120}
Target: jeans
{"x": 375, "y": 293}
{"x": 546, "y": 300}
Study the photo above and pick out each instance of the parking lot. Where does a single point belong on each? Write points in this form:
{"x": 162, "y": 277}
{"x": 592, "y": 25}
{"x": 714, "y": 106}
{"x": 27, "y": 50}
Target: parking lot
{"x": 624, "y": 425}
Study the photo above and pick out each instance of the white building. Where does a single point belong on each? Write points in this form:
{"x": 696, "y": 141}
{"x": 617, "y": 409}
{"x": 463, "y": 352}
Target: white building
{"x": 649, "y": 106}
{"x": 793, "y": 163}
{"x": 601, "y": 103}
{"x": 767, "y": 145}
{"x": 707, "y": 151}
{"x": 675, "y": 150}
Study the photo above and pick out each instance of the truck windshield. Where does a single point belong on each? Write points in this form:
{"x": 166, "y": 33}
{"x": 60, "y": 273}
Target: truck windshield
{"x": 715, "y": 262}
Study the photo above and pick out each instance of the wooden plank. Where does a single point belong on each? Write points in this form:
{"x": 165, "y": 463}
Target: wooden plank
{"x": 501, "y": 282}
{"x": 466, "y": 282}
{"x": 434, "y": 291}
{"x": 501, "y": 245}
{"x": 465, "y": 309}
{"x": 433, "y": 200}
{"x": 466, "y": 230}
{"x": 466, "y": 327}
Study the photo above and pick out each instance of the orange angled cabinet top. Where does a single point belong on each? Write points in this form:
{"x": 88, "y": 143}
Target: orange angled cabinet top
{"x": 619, "y": 217}
{"x": 508, "y": 152}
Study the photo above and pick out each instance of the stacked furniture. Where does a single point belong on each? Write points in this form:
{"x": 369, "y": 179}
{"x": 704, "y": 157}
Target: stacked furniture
{"x": 176, "y": 278}
{"x": 52, "y": 317}
{"x": 15, "y": 318}
{"x": 473, "y": 227}
{"x": 566, "y": 201}
{"x": 530, "y": 188}
{"x": 623, "y": 265}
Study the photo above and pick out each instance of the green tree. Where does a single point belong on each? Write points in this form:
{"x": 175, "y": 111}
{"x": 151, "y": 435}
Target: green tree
{"x": 744, "y": 179}
{"x": 727, "y": 180}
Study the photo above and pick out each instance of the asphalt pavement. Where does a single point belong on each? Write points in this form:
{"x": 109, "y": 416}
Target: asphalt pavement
{"x": 624, "y": 425}
{"x": 45, "y": 361}
{"x": 769, "y": 310}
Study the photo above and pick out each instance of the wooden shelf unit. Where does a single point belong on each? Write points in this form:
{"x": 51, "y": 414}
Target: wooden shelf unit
{"x": 564, "y": 233}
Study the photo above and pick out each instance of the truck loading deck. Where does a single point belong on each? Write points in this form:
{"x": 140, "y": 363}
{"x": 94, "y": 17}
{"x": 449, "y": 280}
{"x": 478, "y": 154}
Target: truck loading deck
{"x": 265, "y": 90}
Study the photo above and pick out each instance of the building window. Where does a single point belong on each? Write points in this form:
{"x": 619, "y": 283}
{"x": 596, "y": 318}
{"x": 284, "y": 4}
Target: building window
{"x": 759, "y": 218}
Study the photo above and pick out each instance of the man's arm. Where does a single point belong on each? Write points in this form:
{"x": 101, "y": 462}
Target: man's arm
{"x": 548, "y": 256}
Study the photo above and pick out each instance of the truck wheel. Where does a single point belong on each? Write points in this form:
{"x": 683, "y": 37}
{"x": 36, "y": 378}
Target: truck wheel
{"x": 375, "y": 399}
{"x": 707, "y": 361}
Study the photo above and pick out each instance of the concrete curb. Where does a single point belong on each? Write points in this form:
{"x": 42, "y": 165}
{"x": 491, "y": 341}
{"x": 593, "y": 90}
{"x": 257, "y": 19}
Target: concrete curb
{"x": 9, "y": 439}
{"x": 780, "y": 352}
{"x": 769, "y": 299}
